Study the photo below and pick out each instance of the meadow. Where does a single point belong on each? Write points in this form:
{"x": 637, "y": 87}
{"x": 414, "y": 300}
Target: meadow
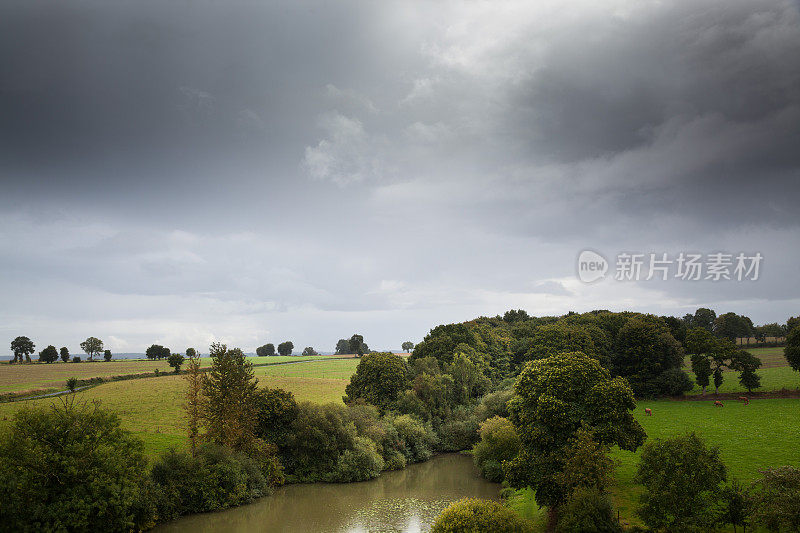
{"x": 45, "y": 377}
{"x": 152, "y": 408}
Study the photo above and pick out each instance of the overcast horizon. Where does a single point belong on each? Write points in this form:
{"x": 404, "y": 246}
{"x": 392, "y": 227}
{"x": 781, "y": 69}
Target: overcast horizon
{"x": 179, "y": 174}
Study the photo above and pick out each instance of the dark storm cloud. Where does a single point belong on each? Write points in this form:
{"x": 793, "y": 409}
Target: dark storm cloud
{"x": 250, "y": 170}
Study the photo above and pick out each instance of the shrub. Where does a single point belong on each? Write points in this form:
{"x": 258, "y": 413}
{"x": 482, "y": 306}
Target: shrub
{"x": 70, "y": 467}
{"x": 360, "y": 463}
{"x": 458, "y": 433}
{"x": 776, "y": 502}
{"x": 499, "y": 442}
{"x": 379, "y": 379}
{"x": 681, "y": 477}
{"x": 107, "y": 355}
{"x": 72, "y": 383}
{"x": 416, "y": 438}
{"x": 587, "y": 509}
{"x": 494, "y": 404}
{"x": 484, "y": 516}
{"x": 216, "y": 478}
{"x": 674, "y": 382}
{"x": 76, "y": 359}
{"x": 175, "y": 361}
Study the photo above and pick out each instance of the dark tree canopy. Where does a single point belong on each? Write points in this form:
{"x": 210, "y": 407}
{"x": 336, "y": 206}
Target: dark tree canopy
{"x": 554, "y": 398}
{"x": 49, "y": 355}
{"x": 407, "y": 346}
{"x": 22, "y": 347}
{"x": 156, "y": 351}
{"x": 285, "y": 348}
{"x": 380, "y": 377}
{"x": 731, "y": 326}
{"x": 343, "y": 347}
{"x": 792, "y": 350}
{"x": 70, "y": 467}
{"x": 266, "y": 350}
{"x": 64, "y": 353}
{"x": 643, "y": 350}
{"x": 308, "y": 350}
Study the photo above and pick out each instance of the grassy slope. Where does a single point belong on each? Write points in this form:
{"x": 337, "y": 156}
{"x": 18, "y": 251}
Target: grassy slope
{"x": 152, "y": 407}
{"x": 40, "y": 376}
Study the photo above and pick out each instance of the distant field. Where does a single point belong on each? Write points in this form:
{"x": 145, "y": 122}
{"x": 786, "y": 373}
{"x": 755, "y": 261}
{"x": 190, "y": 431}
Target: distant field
{"x": 770, "y": 357}
{"x": 41, "y": 376}
{"x": 152, "y": 408}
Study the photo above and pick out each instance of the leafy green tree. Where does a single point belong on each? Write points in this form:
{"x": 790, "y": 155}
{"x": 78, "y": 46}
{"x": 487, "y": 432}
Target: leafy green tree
{"x": 156, "y": 351}
{"x": 554, "y": 398}
{"x": 442, "y": 340}
{"x": 551, "y": 339}
{"x": 285, "y": 348}
{"x": 643, "y": 350}
{"x": 308, "y": 350}
{"x": 499, "y": 442}
{"x": 792, "y": 323}
{"x": 792, "y": 350}
{"x": 487, "y": 516}
{"x": 407, "y": 346}
{"x": 732, "y": 326}
{"x": 682, "y": 478}
{"x": 776, "y": 499}
{"x": 92, "y": 346}
{"x": 355, "y": 344}
{"x": 22, "y": 347}
{"x": 175, "y": 361}
{"x": 107, "y": 355}
{"x": 269, "y": 348}
{"x": 276, "y": 410}
{"x": 342, "y": 347}
{"x": 704, "y": 318}
{"x": 468, "y": 381}
{"x": 710, "y": 356}
{"x": 587, "y": 509}
{"x": 72, "y": 383}
{"x": 49, "y": 354}
{"x": 736, "y": 505}
{"x": 191, "y": 352}
{"x": 228, "y": 402}
{"x": 586, "y": 465}
{"x": 379, "y": 379}
{"x": 747, "y": 364}
{"x": 71, "y": 467}
{"x": 64, "y": 353}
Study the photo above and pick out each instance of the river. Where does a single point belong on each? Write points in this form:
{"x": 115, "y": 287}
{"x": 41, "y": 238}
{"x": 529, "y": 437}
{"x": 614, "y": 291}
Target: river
{"x": 401, "y": 501}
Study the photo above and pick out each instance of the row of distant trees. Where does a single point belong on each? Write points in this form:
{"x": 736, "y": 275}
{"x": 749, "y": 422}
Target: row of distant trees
{"x": 23, "y": 347}
{"x": 354, "y": 345}
{"x": 731, "y": 325}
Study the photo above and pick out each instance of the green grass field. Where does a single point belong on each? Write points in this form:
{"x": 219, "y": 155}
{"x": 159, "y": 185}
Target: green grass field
{"x": 46, "y": 377}
{"x": 152, "y": 409}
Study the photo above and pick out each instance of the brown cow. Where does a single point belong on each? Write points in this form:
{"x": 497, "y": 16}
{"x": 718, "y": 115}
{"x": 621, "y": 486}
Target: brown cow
{"x": 648, "y": 411}
{"x": 744, "y": 399}
{"x": 718, "y": 404}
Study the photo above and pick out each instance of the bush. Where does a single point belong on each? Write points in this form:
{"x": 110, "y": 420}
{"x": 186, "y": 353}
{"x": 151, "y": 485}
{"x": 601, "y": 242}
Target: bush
{"x": 70, "y": 467}
{"x": 674, "y": 382}
{"x": 499, "y": 442}
{"x": 72, "y": 383}
{"x": 76, "y": 359}
{"x": 107, "y": 355}
{"x": 458, "y": 433}
{"x": 494, "y": 404}
{"x": 479, "y": 516}
{"x": 776, "y": 502}
{"x": 587, "y": 509}
{"x": 417, "y": 439}
{"x": 176, "y": 361}
{"x": 361, "y": 463}
{"x": 216, "y": 478}
{"x": 681, "y": 477}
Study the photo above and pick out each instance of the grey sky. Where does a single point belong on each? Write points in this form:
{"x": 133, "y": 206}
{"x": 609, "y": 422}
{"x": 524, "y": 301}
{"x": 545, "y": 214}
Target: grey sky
{"x": 248, "y": 172}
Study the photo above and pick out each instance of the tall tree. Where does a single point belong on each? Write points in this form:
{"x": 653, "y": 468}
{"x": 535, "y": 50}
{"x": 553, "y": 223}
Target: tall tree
{"x": 554, "y": 398}
{"x": 379, "y": 379}
{"x": 64, "y": 353}
{"x": 704, "y": 318}
{"x": 92, "y": 346}
{"x": 732, "y": 326}
{"x": 356, "y": 343}
{"x": 342, "y": 347}
{"x": 22, "y": 347}
{"x": 792, "y": 350}
{"x": 269, "y": 349}
{"x": 228, "y": 402}
{"x": 194, "y": 394}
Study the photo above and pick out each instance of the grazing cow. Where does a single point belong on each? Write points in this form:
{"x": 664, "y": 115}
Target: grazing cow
{"x": 744, "y": 399}
{"x": 718, "y": 404}
{"x": 648, "y": 411}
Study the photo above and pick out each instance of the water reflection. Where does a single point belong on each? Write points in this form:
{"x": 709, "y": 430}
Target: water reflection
{"x": 403, "y": 501}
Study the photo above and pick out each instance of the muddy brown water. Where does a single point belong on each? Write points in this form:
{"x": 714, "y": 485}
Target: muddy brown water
{"x": 402, "y": 501}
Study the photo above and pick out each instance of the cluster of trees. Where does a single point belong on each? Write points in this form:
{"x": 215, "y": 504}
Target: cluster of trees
{"x": 23, "y": 347}
{"x": 353, "y": 345}
{"x": 157, "y": 352}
